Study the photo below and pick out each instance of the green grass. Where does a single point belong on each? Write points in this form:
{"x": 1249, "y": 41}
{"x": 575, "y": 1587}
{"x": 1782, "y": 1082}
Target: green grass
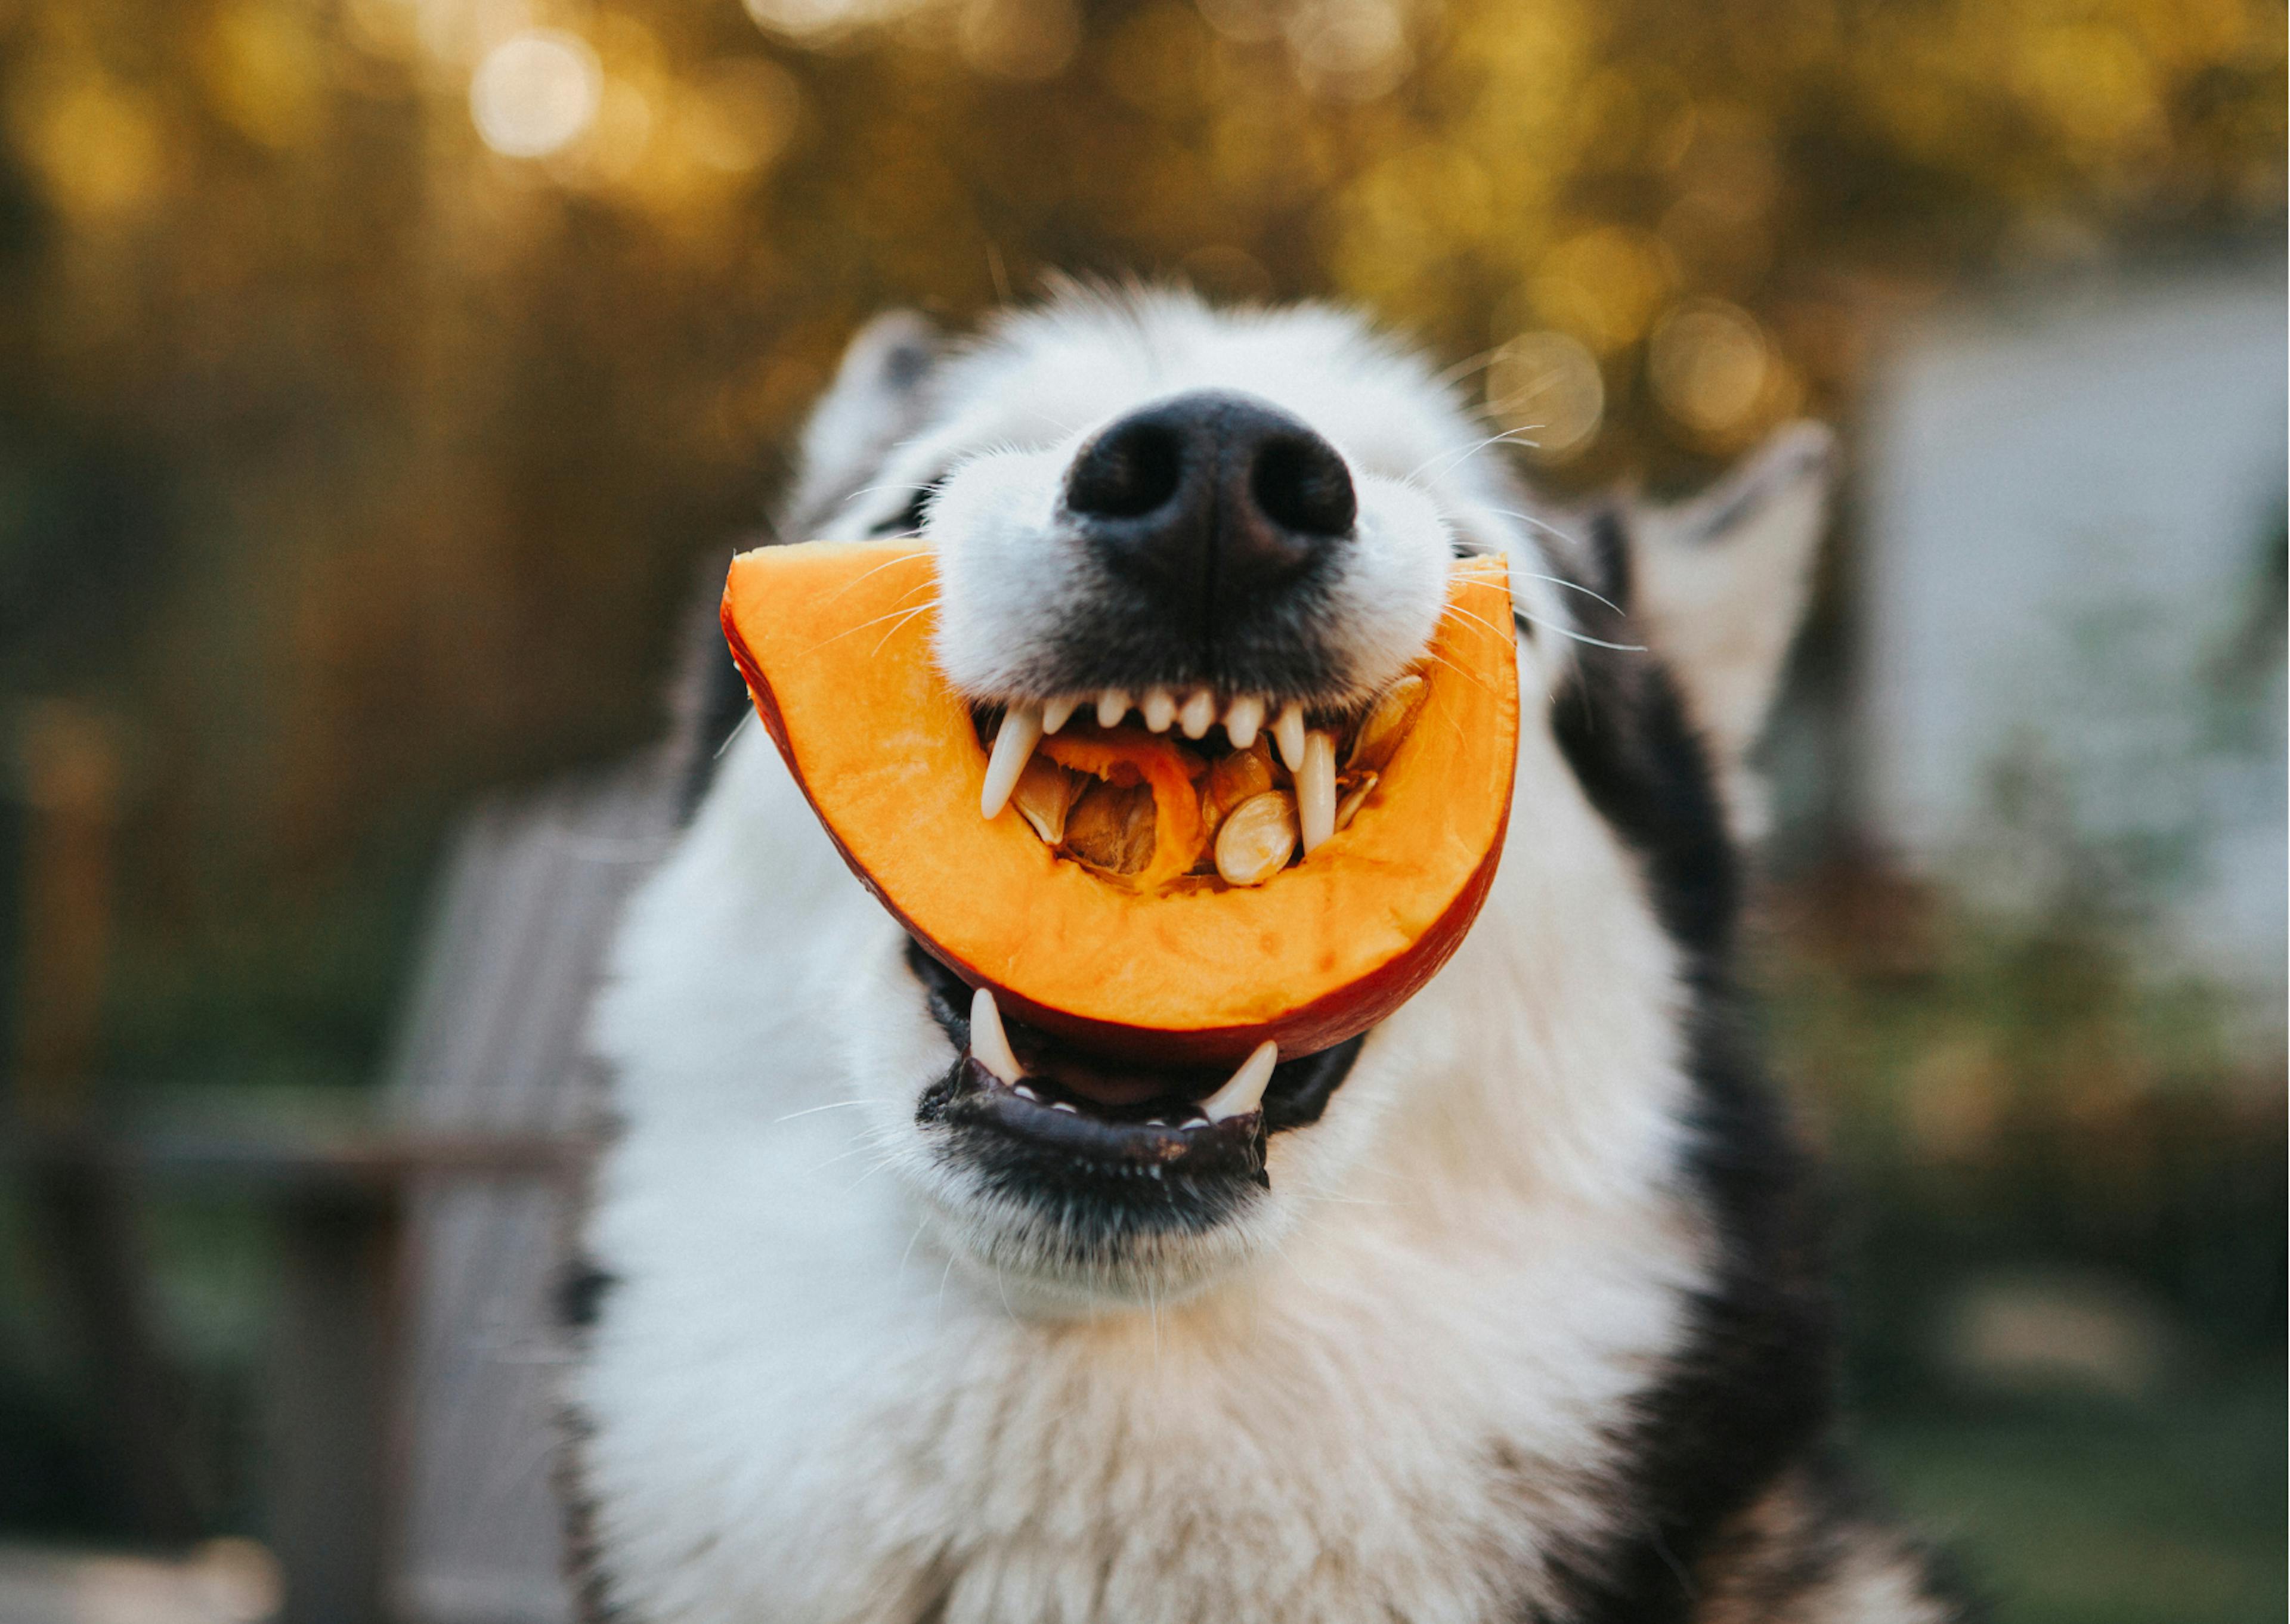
{"x": 2170, "y": 1513}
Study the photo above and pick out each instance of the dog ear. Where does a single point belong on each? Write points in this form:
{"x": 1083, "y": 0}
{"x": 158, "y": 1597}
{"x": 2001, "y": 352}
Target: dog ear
{"x": 1719, "y": 584}
{"x": 879, "y": 396}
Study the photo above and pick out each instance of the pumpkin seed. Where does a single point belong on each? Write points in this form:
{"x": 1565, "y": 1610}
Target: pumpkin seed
{"x": 1240, "y": 777}
{"x": 1355, "y": 797}
{"x": 1258, "y": 838}
{"x": 1044, "y": 794}
{"x": 1387, "y": 722}
{"x": 1110, "y": 827}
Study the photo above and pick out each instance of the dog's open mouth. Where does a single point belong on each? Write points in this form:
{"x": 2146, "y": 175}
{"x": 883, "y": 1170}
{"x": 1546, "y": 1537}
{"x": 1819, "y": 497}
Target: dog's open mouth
{"x": 1190, "y": 1122}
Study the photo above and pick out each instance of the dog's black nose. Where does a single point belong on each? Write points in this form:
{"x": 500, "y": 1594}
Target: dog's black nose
{"x": 1210, "y": 499}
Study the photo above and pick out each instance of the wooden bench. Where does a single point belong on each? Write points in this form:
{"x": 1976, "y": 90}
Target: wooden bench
{"x": 410, "y": 1399}
{"x": 491, "y": 1052}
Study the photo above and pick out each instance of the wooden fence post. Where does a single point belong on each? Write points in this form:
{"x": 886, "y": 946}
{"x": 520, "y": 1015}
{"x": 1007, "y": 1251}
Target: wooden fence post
{"x": 333, "y": 1442}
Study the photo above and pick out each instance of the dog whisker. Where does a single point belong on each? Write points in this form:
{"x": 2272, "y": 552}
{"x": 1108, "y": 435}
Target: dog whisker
{"x": 1564, "y": 631}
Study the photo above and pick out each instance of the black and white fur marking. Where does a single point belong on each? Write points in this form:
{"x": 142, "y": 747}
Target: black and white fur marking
{"x": 1529, "y": 1319}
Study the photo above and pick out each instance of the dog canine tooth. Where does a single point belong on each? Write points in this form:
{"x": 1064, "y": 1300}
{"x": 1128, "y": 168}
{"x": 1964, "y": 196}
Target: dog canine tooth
{"x": 1013, "y": 746}
{"x": 1288, "y": 733}
{"x": 1023, "y": 1092}
{"x": 1241, "y": 720}
{"x": 1160, "y": 709}
{"x": 1316, "y": 789}
{"x": 1054, "y": 714}
{"x": 1060, "y": 1105}
{"x": 990, "y": 1044}
{"x": 1112, "y": 705}
{"x": 1200, "y": 714}
{"x": 1245, "y": 1092}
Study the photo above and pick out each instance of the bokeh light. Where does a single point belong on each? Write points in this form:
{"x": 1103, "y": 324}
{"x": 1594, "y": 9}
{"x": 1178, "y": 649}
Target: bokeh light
{"x": 740, "y": 114}
{"x": 1547, "y": 391}
{"x": 535, "y": 92}
{"x": 814, "y": 22}
{"x": 1708, "y": 364}
{"x": 1349, "y": 49}
{"x": 1019, "y": 39}
{"x": 1604, "y": 285}
{"x": 97, "y": 144}
{"x": 1248, "y": 22}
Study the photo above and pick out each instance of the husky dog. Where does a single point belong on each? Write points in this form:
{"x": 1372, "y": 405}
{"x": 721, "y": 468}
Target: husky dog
{"x": 1531, "y": 1322}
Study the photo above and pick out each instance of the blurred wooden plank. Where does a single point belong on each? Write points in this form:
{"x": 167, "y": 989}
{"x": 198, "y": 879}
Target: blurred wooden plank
{"x": 492, "y": 1055}
{"x": 330, "y": 1474}
{"x": 261, "y": 1161}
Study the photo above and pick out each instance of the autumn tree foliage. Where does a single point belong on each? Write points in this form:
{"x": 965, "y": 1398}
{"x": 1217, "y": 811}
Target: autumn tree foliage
{"x": 373, "y": 373}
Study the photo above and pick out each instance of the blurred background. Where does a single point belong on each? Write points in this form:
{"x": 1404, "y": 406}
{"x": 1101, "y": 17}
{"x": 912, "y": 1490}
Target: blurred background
{"x": 378, "y": 379}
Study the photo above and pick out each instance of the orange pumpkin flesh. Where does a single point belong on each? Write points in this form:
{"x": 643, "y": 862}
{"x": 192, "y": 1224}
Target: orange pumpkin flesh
{"x": 835, "y": 639}
{"x": 1179, "y": 836}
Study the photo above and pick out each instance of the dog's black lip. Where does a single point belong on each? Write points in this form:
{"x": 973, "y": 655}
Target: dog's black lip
{"x": 970, "y": 1096}
{"x": 1298, "y": 1094}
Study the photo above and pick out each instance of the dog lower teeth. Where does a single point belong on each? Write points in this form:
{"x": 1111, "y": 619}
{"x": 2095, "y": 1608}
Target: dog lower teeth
{"x": 990, "y": 1045}
{"x": 1283, "y": 769}
{"x": 1244, "y": 1094}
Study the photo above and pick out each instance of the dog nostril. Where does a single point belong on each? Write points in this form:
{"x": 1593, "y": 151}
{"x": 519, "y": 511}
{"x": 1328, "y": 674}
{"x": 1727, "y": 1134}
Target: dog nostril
{"x": 1127, "y": 473}
{"x": 1301, "y": 485}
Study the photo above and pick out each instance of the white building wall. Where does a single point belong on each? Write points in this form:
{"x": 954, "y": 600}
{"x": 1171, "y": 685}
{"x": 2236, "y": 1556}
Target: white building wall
{"x": 2069, "y": 506}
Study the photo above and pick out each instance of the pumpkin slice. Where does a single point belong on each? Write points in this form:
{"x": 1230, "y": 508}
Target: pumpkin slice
{"x": 835, "y": 639}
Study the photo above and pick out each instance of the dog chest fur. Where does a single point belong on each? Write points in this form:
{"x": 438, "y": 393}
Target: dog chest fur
{"x": 804, "y": 1407}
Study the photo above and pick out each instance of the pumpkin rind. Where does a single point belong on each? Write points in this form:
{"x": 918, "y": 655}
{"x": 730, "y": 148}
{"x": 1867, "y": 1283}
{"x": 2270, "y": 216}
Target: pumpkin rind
{"x": 834, "y": 640}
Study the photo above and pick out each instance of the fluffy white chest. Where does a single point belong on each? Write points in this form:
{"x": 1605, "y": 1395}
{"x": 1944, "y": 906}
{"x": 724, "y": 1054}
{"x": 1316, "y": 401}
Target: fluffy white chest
{"x": 825, "y": 1419}
{"x": 799, "y": 1408}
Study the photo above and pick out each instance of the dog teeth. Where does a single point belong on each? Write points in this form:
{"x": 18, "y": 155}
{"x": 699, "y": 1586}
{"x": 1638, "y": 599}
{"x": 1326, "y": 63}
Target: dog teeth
{"x": 1160, "y": 709}
{"x": 1112, "y": 705}
{"x": 1200, "y": 714}
{"x": 1054, "y": 714}
{"x": 1316, "y": 789}
{"x": 1014, "y": 745}
{"x": 1242, "y": 721}
{"x": 1288, "y": 733}
{"x": 1245, "y": 1092}
{"x": 1060, "y": 1105}
{"x": 990, "y": 1044}
{"x": 1023, "y": 1092}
